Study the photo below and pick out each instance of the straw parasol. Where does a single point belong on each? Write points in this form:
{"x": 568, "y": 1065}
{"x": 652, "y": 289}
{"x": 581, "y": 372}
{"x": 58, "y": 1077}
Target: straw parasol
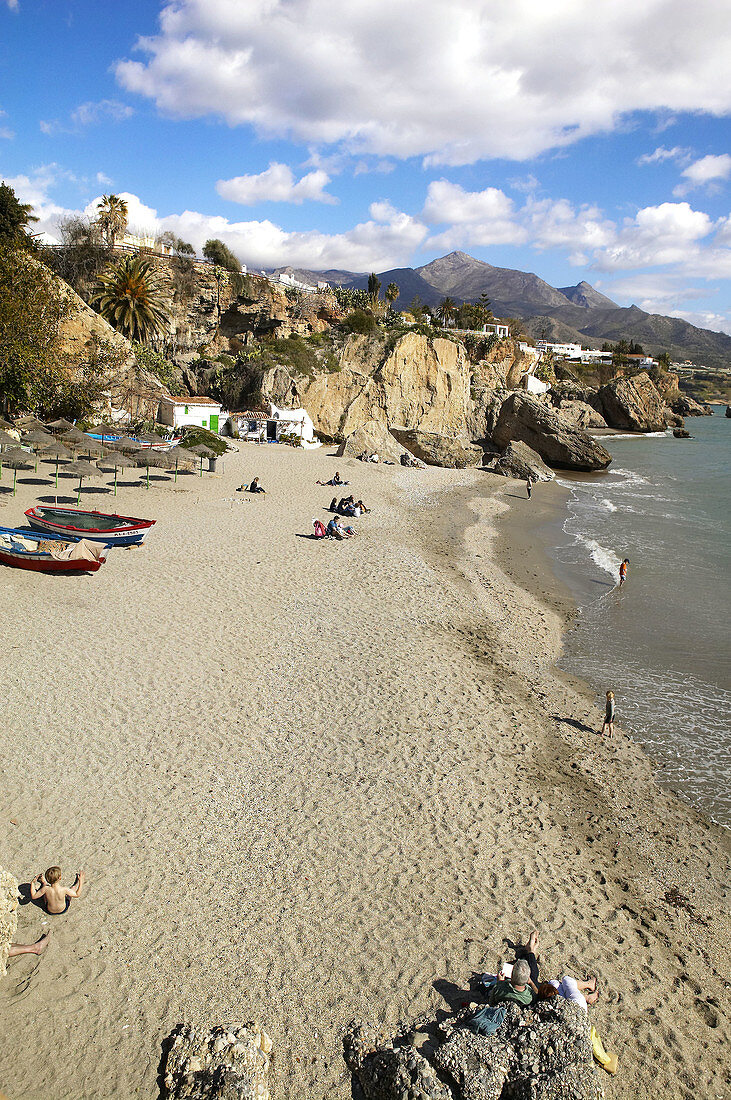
{"x": 127, "y": 443}
{"x": 29, "y": 424}
{"x": 204, "y": 452}
{"x": 35, "y": 439}
{"x": 54, "y": 451}
{"x": 116, "y": 461}
{"x": 17, "y": 459}
{"x": 182, "y": 457}
{"x": 159, "y": 459}
{"x": 107, "y": 429}
{"x": 60, "y": 425}
{"x": 93, "y": 447}
{"x": 5, "y": 423}
{"x": 7, "y": 440}
{"x": 81, "y": 469}
{"x": 150, "y": 437}
{"x": 74, "y": 437}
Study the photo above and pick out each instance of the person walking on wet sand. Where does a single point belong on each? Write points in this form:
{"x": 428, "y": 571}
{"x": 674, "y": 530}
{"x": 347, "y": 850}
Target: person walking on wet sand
{"x": 623, "y": 572}
{"x": 609, "y": 714}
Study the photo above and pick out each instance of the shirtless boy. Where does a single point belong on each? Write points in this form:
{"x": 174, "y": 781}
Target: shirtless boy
{"x": 48, "y": 886}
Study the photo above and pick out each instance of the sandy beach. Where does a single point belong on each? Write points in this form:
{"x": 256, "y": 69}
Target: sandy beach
{"x": 311, "y": 780}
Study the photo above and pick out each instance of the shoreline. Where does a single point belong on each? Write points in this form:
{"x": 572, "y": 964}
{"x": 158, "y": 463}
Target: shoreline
{"x": 316, "y": 781}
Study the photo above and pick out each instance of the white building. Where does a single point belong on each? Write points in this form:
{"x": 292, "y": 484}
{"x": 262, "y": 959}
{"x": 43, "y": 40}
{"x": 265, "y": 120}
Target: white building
{"x": 560, "y": 351}
{"x": 494, "y": 328}
{"x": 178, "y": 412}
{"x": 257, "y": 426}
{"x": 596, "y": 356}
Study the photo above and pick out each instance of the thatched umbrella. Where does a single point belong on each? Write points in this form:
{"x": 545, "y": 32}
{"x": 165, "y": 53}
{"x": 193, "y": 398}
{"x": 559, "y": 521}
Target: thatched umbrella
{"x": 181, "y": 457}
{"x": 150, "y": 437}
{"x": 159, "y": 459}
{"x": 7, "y": 440}
{"x": 36, "y": 439}
{"x": 60, "y": 425}
{"x": 204, "y": 452}
{"x": 55, "y": 452}
{"x": 116, "y": 460}
{"x": 5, "y": 423}
{"x": 74, "y": 437}
{"x": 29, "y": 424}
{"x": 126, "y": 443}
{"x": 107, "y": 430}
{"x": 17, "y": 458}
{"x": 92, "y": 447}
{"x": 81, "y": 469}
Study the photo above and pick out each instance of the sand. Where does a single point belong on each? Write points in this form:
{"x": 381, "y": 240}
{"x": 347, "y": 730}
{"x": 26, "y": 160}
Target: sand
{"x": 310, "y": 781}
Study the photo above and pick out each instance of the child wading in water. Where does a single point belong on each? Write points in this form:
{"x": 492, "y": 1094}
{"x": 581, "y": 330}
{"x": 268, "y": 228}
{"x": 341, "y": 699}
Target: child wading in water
{"x": 623, "y": 572}
{"x": 609, "y": 714}
{"x": 57, "y": 897}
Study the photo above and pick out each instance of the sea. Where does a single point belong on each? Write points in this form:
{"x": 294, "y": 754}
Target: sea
{"x": 663, "y": 642}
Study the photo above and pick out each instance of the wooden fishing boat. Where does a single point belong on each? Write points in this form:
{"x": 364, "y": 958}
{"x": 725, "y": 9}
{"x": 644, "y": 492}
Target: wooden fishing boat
{"x": 48, "y": 553}
{"x": 98, "y": 526}
{"x": 145, "y": 444}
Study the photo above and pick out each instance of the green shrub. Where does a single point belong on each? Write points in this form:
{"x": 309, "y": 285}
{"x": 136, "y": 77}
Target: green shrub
{"x": 360, "y": 322}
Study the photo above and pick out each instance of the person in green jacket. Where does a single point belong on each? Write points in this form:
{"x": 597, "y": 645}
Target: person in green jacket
{"x": 518, "y": 987}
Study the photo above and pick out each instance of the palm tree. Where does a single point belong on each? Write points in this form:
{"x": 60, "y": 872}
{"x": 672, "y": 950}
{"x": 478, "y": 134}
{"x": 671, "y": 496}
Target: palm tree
{"x": 374, "y": 285}
{"x": 112, "y": 217}
{"x": 446, "y": 310}
{"x": 392, "y": 293}
{"x": 131, "y": 297}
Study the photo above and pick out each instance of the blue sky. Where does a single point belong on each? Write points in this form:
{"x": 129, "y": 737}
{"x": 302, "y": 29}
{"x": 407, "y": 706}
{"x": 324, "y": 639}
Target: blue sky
{"x": 578, "y": 141}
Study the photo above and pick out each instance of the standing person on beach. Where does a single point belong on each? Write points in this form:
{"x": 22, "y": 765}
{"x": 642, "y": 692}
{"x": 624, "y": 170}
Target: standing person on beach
{"x": 623, "y": 572}
{"x": 529, "y": 485}
{"x": 609, "y": 714}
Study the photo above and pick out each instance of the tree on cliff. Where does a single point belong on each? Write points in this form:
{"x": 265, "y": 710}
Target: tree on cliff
{"x": 392, "y": 293}
{"x": 374, "y": 287}
{"x": 112, "y": 218}
{"x": 32, "y": 307}
{"x": 131, "y": 297}
{"x": 15, "y": 218}
{"x": 446, "y": 310}
{"x": 219, "y": 253}
{"x": 83, "y": 256}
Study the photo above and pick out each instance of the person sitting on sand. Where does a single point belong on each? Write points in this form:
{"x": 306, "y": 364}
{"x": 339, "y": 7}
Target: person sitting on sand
{"x": 334, "y": 480}
{"x": 255, "y": 487}
{"x": 518, "y": 987}
{"x": 333, "y": 529}
{"x": 57, "y": 897}
{"x": 609, "y": 715}
{"x": 36, "y": 948}
{"x": 363, "y": 510}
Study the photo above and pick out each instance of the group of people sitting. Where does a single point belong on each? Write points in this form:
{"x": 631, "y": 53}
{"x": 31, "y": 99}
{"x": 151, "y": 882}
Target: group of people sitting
{"x": 348, "y": 506}
{"x": 367, "y": 456}
{"x": 520, "y": 983}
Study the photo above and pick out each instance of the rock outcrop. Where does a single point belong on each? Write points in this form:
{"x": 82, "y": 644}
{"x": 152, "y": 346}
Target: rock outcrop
{"x": 688, "y": 406}
{"x": 541, "y": 1053}
{"x": 372, "y": 437}
{"x": 631, "y": 404}
{"x": 519, "y": 461}
{"x": 529, "y": 420}
{"x": 681, "y": 433}
{"x": 455, "y": 452}
{"x": 229, "y": 1063}
{"x": 8, "y": 915}
{"x": 581, "y": 415}
{"x": 728, "y": 411}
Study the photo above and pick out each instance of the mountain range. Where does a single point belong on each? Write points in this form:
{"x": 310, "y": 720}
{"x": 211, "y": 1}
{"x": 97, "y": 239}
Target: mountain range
{"x": 574, "y": 314}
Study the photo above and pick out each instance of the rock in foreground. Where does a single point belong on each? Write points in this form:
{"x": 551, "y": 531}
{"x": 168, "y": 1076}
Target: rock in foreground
{"x": 225, "y": 1063}
{"x": 541, "y": 1053}
{"x": 526, "y": 419}
{"x": 453, "y": 452}
{"x": 519, "y": 461}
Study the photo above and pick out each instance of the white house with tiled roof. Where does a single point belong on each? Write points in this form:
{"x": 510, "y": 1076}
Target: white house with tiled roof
{"x": 179, "y": 412}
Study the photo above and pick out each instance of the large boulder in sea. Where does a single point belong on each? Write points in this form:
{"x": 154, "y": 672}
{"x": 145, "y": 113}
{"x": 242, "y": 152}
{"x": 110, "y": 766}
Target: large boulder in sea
{"x": 228, "y": 1062}
{"x": 519, "y": 461}
{"x": 454, "y": 452}
{"x": 526, "y": 418}
{"x": 688, "y": 406}
{"x": 541, "y": 1053}
{"x": 631, "y": 404}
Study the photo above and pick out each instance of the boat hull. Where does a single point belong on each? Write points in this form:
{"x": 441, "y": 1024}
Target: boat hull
{"x": 44, "y": 563}
{"x": 128, "y": 531}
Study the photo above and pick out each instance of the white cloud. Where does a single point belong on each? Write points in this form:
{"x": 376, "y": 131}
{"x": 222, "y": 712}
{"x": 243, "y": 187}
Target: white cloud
{"x": 12, "y": 4}
{"x": 450, "y": 82}
{"x": 658, "y": 235}
{"x": 276, "y": 184}
{"x": 103, "y": 179}
{"x": 706, "y": 171}
{"x": 661, "y": 154}
{"x": 5, "y": 131}
{"x": 88, "y": 114}
{"x": 34, "y": 189}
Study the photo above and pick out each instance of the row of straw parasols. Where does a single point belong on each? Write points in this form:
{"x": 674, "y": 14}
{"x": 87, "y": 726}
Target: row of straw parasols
{"x": 58, "y": 441}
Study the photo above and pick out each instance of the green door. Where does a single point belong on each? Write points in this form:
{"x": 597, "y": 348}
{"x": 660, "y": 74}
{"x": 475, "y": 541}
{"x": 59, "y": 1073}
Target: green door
{"x": 214, "y": 422}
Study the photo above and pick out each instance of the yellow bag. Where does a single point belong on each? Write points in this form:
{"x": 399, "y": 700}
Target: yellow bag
{"x": 603, "y": 1057}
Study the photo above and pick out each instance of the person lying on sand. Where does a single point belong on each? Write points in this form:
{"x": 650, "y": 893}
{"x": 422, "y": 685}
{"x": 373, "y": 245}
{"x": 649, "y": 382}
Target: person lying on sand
{"x": 581, "y": 993}
{"x": 48, "y": 886}
{"x": 36, "y": 948}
